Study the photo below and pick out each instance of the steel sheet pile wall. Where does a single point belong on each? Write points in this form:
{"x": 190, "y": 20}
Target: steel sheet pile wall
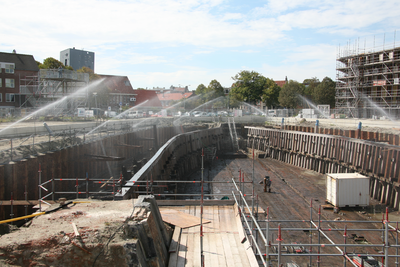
{"x": 392, "y": 139}
{"x": 176, "y": 158}
{"x": 334, "y": 154}
{"x": 21, "y": 177}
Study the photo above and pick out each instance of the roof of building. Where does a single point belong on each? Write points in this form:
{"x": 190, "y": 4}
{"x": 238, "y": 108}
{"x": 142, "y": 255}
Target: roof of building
{"x": 173, "y": 96}
{"x": 22, "y": 62}
{"x": 280, "y": 83}
{"x": 150, "y": 95}
{"x": 118, "y": 84}
{"x": 180, "y": 89}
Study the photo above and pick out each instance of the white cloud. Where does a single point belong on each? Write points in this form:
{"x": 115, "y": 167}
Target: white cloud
{"x": 303, "y": 62}
{"x": 354, "y": 14}
{"x": 124, "y": 34}
{"x": 98, "y": 22}
{"x": 311, "y": 53}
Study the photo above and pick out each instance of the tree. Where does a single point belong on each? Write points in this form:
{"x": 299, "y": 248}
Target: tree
{"x": 310, "y": 85}
{"x": 52, "y": 63}
{"x": 212, "y": 91}
{"x": 270, "y": 93}
{"x": 248, "y": 86}
{"x": 289, "y": 96}
{"x": 201, "y": 89}
{"x": 324, "y": 93}
{"x": 92, "y": 76}
{"x": 216, "y": 89}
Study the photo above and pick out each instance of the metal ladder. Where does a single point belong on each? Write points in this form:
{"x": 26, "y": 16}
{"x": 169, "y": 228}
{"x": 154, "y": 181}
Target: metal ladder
{"x": 235, "y": 144}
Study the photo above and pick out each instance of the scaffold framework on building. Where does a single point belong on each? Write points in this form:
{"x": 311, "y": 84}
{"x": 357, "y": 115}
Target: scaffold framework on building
{"x": 368, "y": 78}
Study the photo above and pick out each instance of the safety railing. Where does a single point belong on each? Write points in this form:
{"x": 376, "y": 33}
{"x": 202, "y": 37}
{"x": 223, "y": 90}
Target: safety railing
{"x": 317, "y": 227}
{"x": 114, "y": 183}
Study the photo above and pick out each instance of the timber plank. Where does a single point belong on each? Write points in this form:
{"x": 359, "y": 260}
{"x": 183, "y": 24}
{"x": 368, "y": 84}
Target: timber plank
{"x": 197, "y": 249}
{"x": 173, "y": 247}
{"x": 235, "y": 251}
{"x": 181, "y": 261}
{"x": 180, "y": 219}
{"x": 220, "y": 250}
{"x": 207, "y": 252}
{"x": 227, "y": 250}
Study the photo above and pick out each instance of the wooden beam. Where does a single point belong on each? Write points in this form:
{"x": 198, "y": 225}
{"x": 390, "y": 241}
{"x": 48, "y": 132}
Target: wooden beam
{"x": 23, "y": 202}
{"x": 144, "y": 139}
{"x": 88, "y": 157}
{"x": 127, "y": 146}
{"x": 210, "y": 202}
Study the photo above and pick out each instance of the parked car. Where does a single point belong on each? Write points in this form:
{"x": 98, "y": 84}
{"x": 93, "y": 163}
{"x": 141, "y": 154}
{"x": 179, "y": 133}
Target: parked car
{"x": 201, "y": 114}
{"x": 223, "y": 113}
{"x": 194, "y": 113}
{"x": 134, "y": 114}
{"x": 110, "y": 114}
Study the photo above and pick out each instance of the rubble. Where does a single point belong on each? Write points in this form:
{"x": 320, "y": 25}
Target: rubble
{"x": 106, "y": 233}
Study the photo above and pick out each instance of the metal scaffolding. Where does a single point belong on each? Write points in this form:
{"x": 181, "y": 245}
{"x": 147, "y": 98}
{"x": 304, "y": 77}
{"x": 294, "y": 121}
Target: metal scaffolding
{"x": 51, "y": 85}
{"x": 368, "y": 80}
{"x": 274, "y": 252}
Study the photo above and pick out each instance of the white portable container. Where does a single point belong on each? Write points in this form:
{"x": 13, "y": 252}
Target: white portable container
{"x": 347, "y": 189}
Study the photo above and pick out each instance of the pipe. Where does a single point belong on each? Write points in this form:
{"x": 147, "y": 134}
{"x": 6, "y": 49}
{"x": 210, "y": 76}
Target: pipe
{"x": 22, "y": 218}
{"x": 41, "y": 213}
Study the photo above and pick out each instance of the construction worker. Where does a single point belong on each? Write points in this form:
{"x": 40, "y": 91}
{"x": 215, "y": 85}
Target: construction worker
{"x": 267, "y": 183}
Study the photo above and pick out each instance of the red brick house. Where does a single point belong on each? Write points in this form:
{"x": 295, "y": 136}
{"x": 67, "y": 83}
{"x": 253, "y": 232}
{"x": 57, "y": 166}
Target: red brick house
{"x": 281, "y": 83}
{"x": 14, "y": 68}
{"x": 149, "y": 95}
{"x": 120, "y": 91}
{"x": 168, "y": 99}
{"x": 121, "y": 94}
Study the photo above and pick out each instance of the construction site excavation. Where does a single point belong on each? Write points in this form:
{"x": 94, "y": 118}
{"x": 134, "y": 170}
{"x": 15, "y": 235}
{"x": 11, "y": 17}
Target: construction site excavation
{"x": 200, "y": 191}
{"x": 239, "y": 187}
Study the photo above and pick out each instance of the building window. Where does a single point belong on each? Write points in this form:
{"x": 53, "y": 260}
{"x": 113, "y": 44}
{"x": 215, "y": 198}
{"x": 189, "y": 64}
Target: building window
{"x": 126, "y": 82}
{"x": 1, "y": 82}
{"x": 9, "y": 83}
{"x": 9, "y": 68}
{"x": 10, "y": 97}
{"x": 1, "y": 97}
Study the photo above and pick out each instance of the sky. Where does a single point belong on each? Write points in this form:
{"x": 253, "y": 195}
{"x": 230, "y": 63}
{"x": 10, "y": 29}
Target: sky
{"x": 159, "y": 43}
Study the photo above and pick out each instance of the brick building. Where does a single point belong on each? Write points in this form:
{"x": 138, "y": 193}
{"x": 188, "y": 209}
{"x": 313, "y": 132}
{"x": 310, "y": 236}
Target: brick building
{"x": 14, "y": 68}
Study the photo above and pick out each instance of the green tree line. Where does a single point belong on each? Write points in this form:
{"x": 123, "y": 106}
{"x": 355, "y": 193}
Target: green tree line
{"x": 253, "y": 88}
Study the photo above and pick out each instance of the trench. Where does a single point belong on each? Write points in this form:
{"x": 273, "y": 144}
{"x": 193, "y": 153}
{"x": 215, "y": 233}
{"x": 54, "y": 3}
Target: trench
{"x": 169, "y": 153}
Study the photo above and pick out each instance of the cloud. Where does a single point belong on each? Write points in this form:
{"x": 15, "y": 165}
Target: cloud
{"x": 97, "y": 22}
{"x": 311, "y": 53}
{"x": 166, "y": 36}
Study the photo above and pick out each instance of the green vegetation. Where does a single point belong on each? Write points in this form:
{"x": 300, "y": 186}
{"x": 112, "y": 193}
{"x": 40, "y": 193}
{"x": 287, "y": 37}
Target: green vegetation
{"x": 252, "y": 87}
{"x": 289, "y": 95}
{"x": 52, "y": 63}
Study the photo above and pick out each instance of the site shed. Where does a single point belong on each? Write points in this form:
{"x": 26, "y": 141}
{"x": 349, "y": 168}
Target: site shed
{"x": 347, "y": 189}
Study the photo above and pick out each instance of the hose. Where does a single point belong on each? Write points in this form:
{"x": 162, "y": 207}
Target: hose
{"x": 41, "y": 213}
{"x": 23, "y": 217}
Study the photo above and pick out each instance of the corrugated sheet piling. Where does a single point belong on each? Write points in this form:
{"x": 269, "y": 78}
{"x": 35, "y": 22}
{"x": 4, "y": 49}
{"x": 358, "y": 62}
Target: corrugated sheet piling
{"x": 325, "y": 153}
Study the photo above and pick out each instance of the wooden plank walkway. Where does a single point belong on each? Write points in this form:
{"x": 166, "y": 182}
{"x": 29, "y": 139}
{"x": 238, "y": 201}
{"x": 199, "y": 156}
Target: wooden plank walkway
{"x": 222, "y": 244}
